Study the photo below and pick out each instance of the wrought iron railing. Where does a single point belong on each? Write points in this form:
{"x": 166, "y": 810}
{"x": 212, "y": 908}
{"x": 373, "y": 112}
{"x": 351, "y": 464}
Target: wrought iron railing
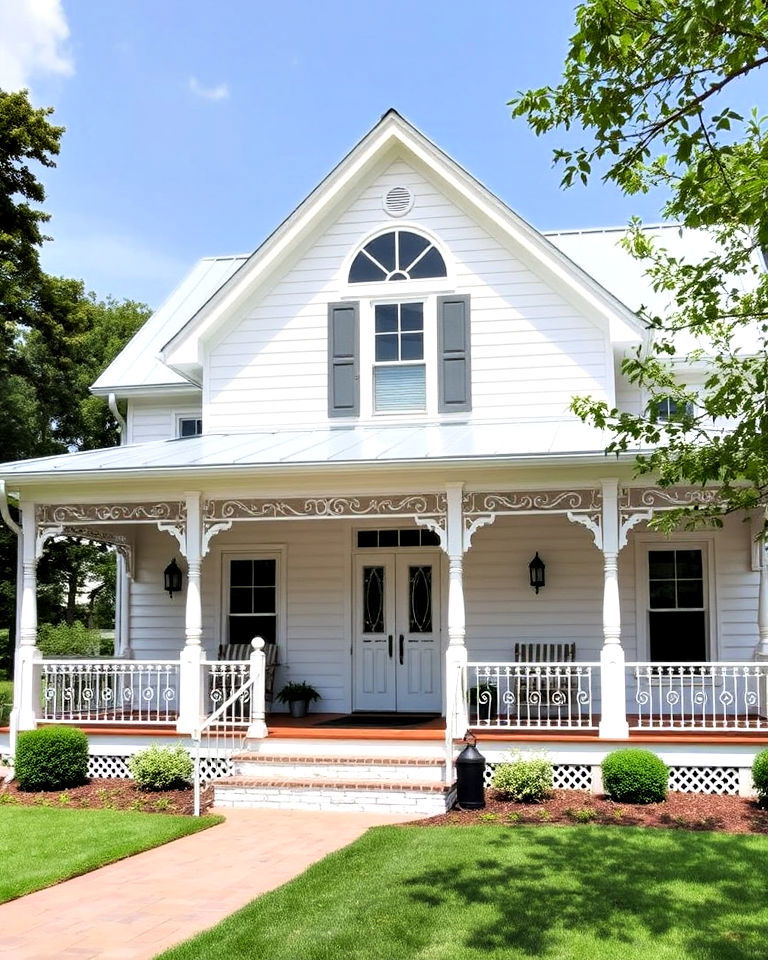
{"x": 109, "y": 691}
{"x": 697, "y": 696}
{"x": 521, "y": 696}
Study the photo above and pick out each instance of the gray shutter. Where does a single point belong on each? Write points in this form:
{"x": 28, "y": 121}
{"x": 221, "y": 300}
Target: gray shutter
{"x": 453, "y": 354}
{"x": 343, "y": 360}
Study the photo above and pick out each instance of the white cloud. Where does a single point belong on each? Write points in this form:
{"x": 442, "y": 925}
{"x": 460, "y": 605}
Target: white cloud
{"x": 219, "y": 92}
{"x": 33, "y": 42}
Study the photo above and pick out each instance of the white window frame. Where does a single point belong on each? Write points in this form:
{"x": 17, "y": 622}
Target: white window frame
{"x": 278, "y": 553}
{"x": 178, "y": 417}
{"x": 695, "y": 541}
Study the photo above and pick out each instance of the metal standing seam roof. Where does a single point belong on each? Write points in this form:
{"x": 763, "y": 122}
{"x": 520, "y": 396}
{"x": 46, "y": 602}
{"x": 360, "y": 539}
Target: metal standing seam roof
{"x": 339, "y": 445}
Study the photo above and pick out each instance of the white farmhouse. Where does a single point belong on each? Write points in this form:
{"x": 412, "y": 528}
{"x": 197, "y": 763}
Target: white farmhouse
{"x": 356, "y": 445}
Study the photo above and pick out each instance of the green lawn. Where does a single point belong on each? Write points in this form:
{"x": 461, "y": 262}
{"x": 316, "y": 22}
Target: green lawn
{"x": 40, "y": 846}
{"x": 558, "y": 893}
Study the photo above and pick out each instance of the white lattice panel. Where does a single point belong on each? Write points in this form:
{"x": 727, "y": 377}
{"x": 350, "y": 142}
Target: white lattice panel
{"x": 211, "y": 768}
{"x": 565, "y": 776}
{"x": 108, "y": 766}
{"x": 704, "y": 779}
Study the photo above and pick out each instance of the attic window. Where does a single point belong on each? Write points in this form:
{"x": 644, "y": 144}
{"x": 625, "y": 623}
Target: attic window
{"x": 397, "y": 255}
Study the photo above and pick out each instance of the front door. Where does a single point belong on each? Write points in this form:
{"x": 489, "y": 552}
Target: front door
{"x": 397, "y": 632}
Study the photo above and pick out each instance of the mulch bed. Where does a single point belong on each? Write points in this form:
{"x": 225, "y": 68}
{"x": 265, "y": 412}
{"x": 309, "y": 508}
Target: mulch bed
{"x": 685, "y": 811}
{"x": 108, "y": 793}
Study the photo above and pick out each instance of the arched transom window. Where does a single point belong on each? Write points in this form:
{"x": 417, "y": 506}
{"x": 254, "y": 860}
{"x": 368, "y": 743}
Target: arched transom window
{"x": 397, "y": 255}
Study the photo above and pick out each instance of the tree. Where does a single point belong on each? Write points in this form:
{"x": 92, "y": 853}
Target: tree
{"x": 647, "y": 82}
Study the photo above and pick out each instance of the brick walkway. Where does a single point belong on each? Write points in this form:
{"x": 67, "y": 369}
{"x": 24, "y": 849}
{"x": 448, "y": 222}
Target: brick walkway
{"x": 134, "y": 909}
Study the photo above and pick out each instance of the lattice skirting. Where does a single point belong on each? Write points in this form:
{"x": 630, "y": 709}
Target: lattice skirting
{"x": 704, "y": 779}
{"x": 117, "y": 766}
{"x": 565, "y": 776}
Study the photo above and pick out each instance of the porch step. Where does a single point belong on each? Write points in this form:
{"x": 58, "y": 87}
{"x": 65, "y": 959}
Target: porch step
{"x": 410, "y": 798}
{"x": 358, "y": 769}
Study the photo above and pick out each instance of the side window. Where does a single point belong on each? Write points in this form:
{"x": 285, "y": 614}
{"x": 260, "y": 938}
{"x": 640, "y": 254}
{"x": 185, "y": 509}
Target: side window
{"x": 189, "y": 427}
{"x": 252, "y": 600}
{"x": 399, "y": 373}
{"x": 677, "y": 611}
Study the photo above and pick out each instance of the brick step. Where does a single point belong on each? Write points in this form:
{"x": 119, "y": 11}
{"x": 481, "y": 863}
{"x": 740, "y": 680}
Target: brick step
{"x": 368, "y": 769}
{"x": 409, "y": 798}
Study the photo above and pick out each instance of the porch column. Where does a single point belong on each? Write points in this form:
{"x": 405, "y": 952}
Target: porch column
{"x": 193, "y": 655}
{"x": 761, "y": 651}
{"x": 27, "y": 667}
{"x": 613, "y": 682}
{"x": 456, "y": 718}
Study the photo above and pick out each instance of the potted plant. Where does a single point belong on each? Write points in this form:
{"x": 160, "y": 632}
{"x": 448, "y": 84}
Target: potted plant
{"x": 298, "y": 696}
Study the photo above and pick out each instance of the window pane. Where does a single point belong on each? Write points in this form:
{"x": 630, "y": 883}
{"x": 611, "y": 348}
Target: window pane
{"x": 400, "y": 388}
{"x": 690, "y": 593}
{"x": 244, "y": 629}
{"x": 386, "y": 318}
{"x": 368, "y": 538}
{"x": 411, "y": 245}
{"x": 412, "y": 346}
{"x": 678, "y": 636}
{"x": 240, "y": 600}
{"x": 241, "y": 573}
{"x": 420, "y": 597}
{"x": 661, "y": 564}
{"x": 689, "y": 563}
{"x": 363, "y": 270}
{"x": 430, "y": 265}
{"x": 388, "y": 538}
{"x": 410, "y": 538}
{"x": 190, "y": 428}
{"x": 662, "y": 594}
{"x": 386, "y": 347}
{"x": 263, "y": 600}
{"x": 411, "y": 316}
{"x": 383, "y": 250}
{"x": 429, "y": 538}
{"x": 264, "y": 573}
{"x": 373, "y": 599}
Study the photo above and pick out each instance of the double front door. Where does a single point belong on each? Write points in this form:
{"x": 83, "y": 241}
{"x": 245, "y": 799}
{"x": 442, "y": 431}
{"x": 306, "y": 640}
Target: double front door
{"x": 397, "y": 632}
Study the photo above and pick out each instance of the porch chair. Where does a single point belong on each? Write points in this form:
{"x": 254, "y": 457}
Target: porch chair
{"x": 539, "y": 691}
{"x": 242, "y": 651}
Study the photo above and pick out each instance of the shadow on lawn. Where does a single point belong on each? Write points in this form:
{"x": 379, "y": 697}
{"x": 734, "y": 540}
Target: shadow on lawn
{"x": 621, "y": 885}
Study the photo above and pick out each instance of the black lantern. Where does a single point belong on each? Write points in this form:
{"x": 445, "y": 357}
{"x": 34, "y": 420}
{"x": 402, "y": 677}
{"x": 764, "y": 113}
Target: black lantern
{"x": 536, "y": 570}
{"x": 172, "y": 578}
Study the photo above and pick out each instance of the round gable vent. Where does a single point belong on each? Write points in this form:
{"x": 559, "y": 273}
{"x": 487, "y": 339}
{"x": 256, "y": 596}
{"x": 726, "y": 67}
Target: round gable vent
{"x": 398, "y": 201}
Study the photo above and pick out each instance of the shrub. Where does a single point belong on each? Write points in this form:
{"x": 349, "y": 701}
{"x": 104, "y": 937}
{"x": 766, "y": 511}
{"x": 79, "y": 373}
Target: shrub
{"x": 51, "y": 758}
{"x": 635, "y": 776}
{"x": 161, "y": 768}
{"x": 68, "y": 640}
{"x": 760, "y": 776}
{"x": 6, "y": 700}
{"x": 527, "y": 781}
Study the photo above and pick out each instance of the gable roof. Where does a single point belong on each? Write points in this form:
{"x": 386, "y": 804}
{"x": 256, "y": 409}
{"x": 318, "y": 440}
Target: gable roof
{"x": 137, "y": 366}
{"x": 393, "y": 134}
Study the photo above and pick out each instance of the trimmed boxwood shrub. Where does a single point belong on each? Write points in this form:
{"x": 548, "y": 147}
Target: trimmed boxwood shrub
{"x": 526, "y": 781}
{"x": 760, "y": 776}
{"x": 635, "y": 776}
{"x": 51, "y": 758}
{"x": 161, "y": 768}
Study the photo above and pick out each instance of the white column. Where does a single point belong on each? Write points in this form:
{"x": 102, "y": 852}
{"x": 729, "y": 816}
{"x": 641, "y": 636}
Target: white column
{"x": 613, "y": 682}
{"x": 192, "y": 656}
{"x": 456, "y": 717}
{"x": 761, "y": 652}
{"x": 27, "y": 667}
{"x": 257, "y": 729}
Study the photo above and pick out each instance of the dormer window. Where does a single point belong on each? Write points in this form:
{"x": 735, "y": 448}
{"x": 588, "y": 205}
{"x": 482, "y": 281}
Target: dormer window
{"x": 397, "y": 255}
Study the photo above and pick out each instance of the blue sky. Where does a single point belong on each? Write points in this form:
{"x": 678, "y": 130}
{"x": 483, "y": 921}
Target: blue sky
{"x": 194, "y": 128}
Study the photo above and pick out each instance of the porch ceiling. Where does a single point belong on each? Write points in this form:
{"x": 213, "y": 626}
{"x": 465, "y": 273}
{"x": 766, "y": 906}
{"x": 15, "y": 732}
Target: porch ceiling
{"x": 338, "y": 445}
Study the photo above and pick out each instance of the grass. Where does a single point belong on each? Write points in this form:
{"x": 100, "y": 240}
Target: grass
{"x": 556, "y": 893}
{"x": 40, "y": 846}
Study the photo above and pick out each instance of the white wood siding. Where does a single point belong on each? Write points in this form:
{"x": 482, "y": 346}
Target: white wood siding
{"x": 531, "y": 349}
{"x": 154, "y": 419}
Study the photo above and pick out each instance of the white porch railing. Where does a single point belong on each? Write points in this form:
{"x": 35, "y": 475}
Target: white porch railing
{"x": 109, "y": 691}
{"x": 697, "y": 696}
{"x": 523, "y": 696}
{"x": 221, "y": 678}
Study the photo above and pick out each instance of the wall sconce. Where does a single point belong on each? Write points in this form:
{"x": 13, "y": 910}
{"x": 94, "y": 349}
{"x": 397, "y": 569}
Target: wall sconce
{"x": 536, "y": 570}
{"x": 172, "y": 578}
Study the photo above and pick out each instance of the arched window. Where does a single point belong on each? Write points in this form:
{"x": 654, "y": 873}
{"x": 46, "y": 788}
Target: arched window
{"x": 397, "y": 255}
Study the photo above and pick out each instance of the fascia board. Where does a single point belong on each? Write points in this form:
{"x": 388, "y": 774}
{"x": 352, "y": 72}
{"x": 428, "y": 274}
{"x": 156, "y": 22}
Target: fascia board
{"x": 153, "y": 391}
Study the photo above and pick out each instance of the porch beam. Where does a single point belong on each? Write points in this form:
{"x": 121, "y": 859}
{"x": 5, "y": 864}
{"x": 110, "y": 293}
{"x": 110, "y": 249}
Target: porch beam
{"x": 613, "y": 721}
